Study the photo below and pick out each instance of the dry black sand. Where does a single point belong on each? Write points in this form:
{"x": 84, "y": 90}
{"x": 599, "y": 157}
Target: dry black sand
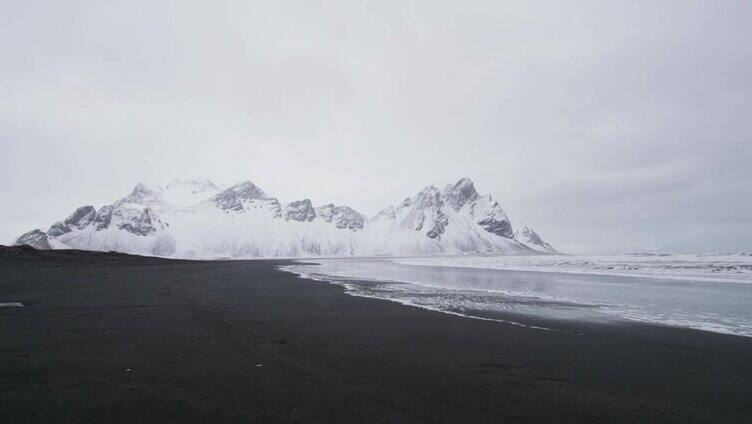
{"x": 116, "y": 338}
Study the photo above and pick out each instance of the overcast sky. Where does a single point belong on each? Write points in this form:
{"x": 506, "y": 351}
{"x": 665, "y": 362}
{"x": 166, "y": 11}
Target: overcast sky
{"x": 606, "y": 126}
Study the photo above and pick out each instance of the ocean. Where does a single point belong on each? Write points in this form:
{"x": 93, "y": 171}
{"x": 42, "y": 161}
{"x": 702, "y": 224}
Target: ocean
{"x": 705, "y": 292}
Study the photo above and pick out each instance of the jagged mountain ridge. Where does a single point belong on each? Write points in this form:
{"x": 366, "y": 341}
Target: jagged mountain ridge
{"x": 200, "y": 219}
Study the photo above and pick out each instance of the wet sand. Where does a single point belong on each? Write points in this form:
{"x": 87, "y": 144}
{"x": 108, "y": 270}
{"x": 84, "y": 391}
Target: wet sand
{"x": 117, "y": 338}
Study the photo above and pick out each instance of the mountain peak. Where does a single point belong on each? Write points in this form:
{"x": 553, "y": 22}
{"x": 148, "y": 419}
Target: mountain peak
{"x": 188, "y": 192}
{"x": 143, "y": 194}
{"x": 461, "y": 192}
{"x": 193, "y": 218}
{"x": 431, "y": 190}
{"x": 530, "y": 238}
{"x": 248, "y": 190}
{"x": 344, "y": 217}
{"x": 465, "y": 187}
{"x": 144, "y": 188}
{"x": 233, "y": 197}
{"x": 463, "y": 181}
{"x": 37, "y": 239}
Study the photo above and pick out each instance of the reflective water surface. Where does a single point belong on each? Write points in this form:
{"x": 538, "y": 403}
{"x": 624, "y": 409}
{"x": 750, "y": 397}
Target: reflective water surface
{"x": 724, "y": 307}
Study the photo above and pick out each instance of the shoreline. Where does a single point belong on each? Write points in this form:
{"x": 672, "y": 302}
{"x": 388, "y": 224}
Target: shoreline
{"x": 358, "y": 286}
{"x": 117, "y": 338}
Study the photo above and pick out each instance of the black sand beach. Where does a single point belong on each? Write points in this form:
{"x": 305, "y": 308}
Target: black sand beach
{"x": 117, "y": 338}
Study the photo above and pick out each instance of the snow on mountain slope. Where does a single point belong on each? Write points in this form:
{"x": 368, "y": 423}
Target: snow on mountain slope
{"x": 197, "y": 219}
{"x": 450, "y": 221}
{"x": 175, "y": 195}
{"x": 186, "y": 193}
{"x": 531, "y": 239}
{"x": 134, "y": 224}
{"x": 243, "y": 221}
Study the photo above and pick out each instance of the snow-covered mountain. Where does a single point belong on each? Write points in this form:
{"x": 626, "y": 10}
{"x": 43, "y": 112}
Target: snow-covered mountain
{"x": 200, "y": 219}
{"x": 454, "y": 220}
{"x": 243, "y": 221}
{"x": 531, "y": 239}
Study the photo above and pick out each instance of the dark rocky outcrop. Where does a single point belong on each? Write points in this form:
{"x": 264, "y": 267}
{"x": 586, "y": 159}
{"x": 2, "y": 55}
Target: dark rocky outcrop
{"x": 428, "y": 203}
{"x": 343, "y": 217}
{"x": 460, "y": 193}
{"x": 78, "y": 219}
{"x": 37, "y": 239}
{"x": 496, "y": 226}
{"x": 300, "y": 210}
{"x": 144, "y": 224}
{"x": 439, "y": 225}
{"x": 104, "y": 217}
